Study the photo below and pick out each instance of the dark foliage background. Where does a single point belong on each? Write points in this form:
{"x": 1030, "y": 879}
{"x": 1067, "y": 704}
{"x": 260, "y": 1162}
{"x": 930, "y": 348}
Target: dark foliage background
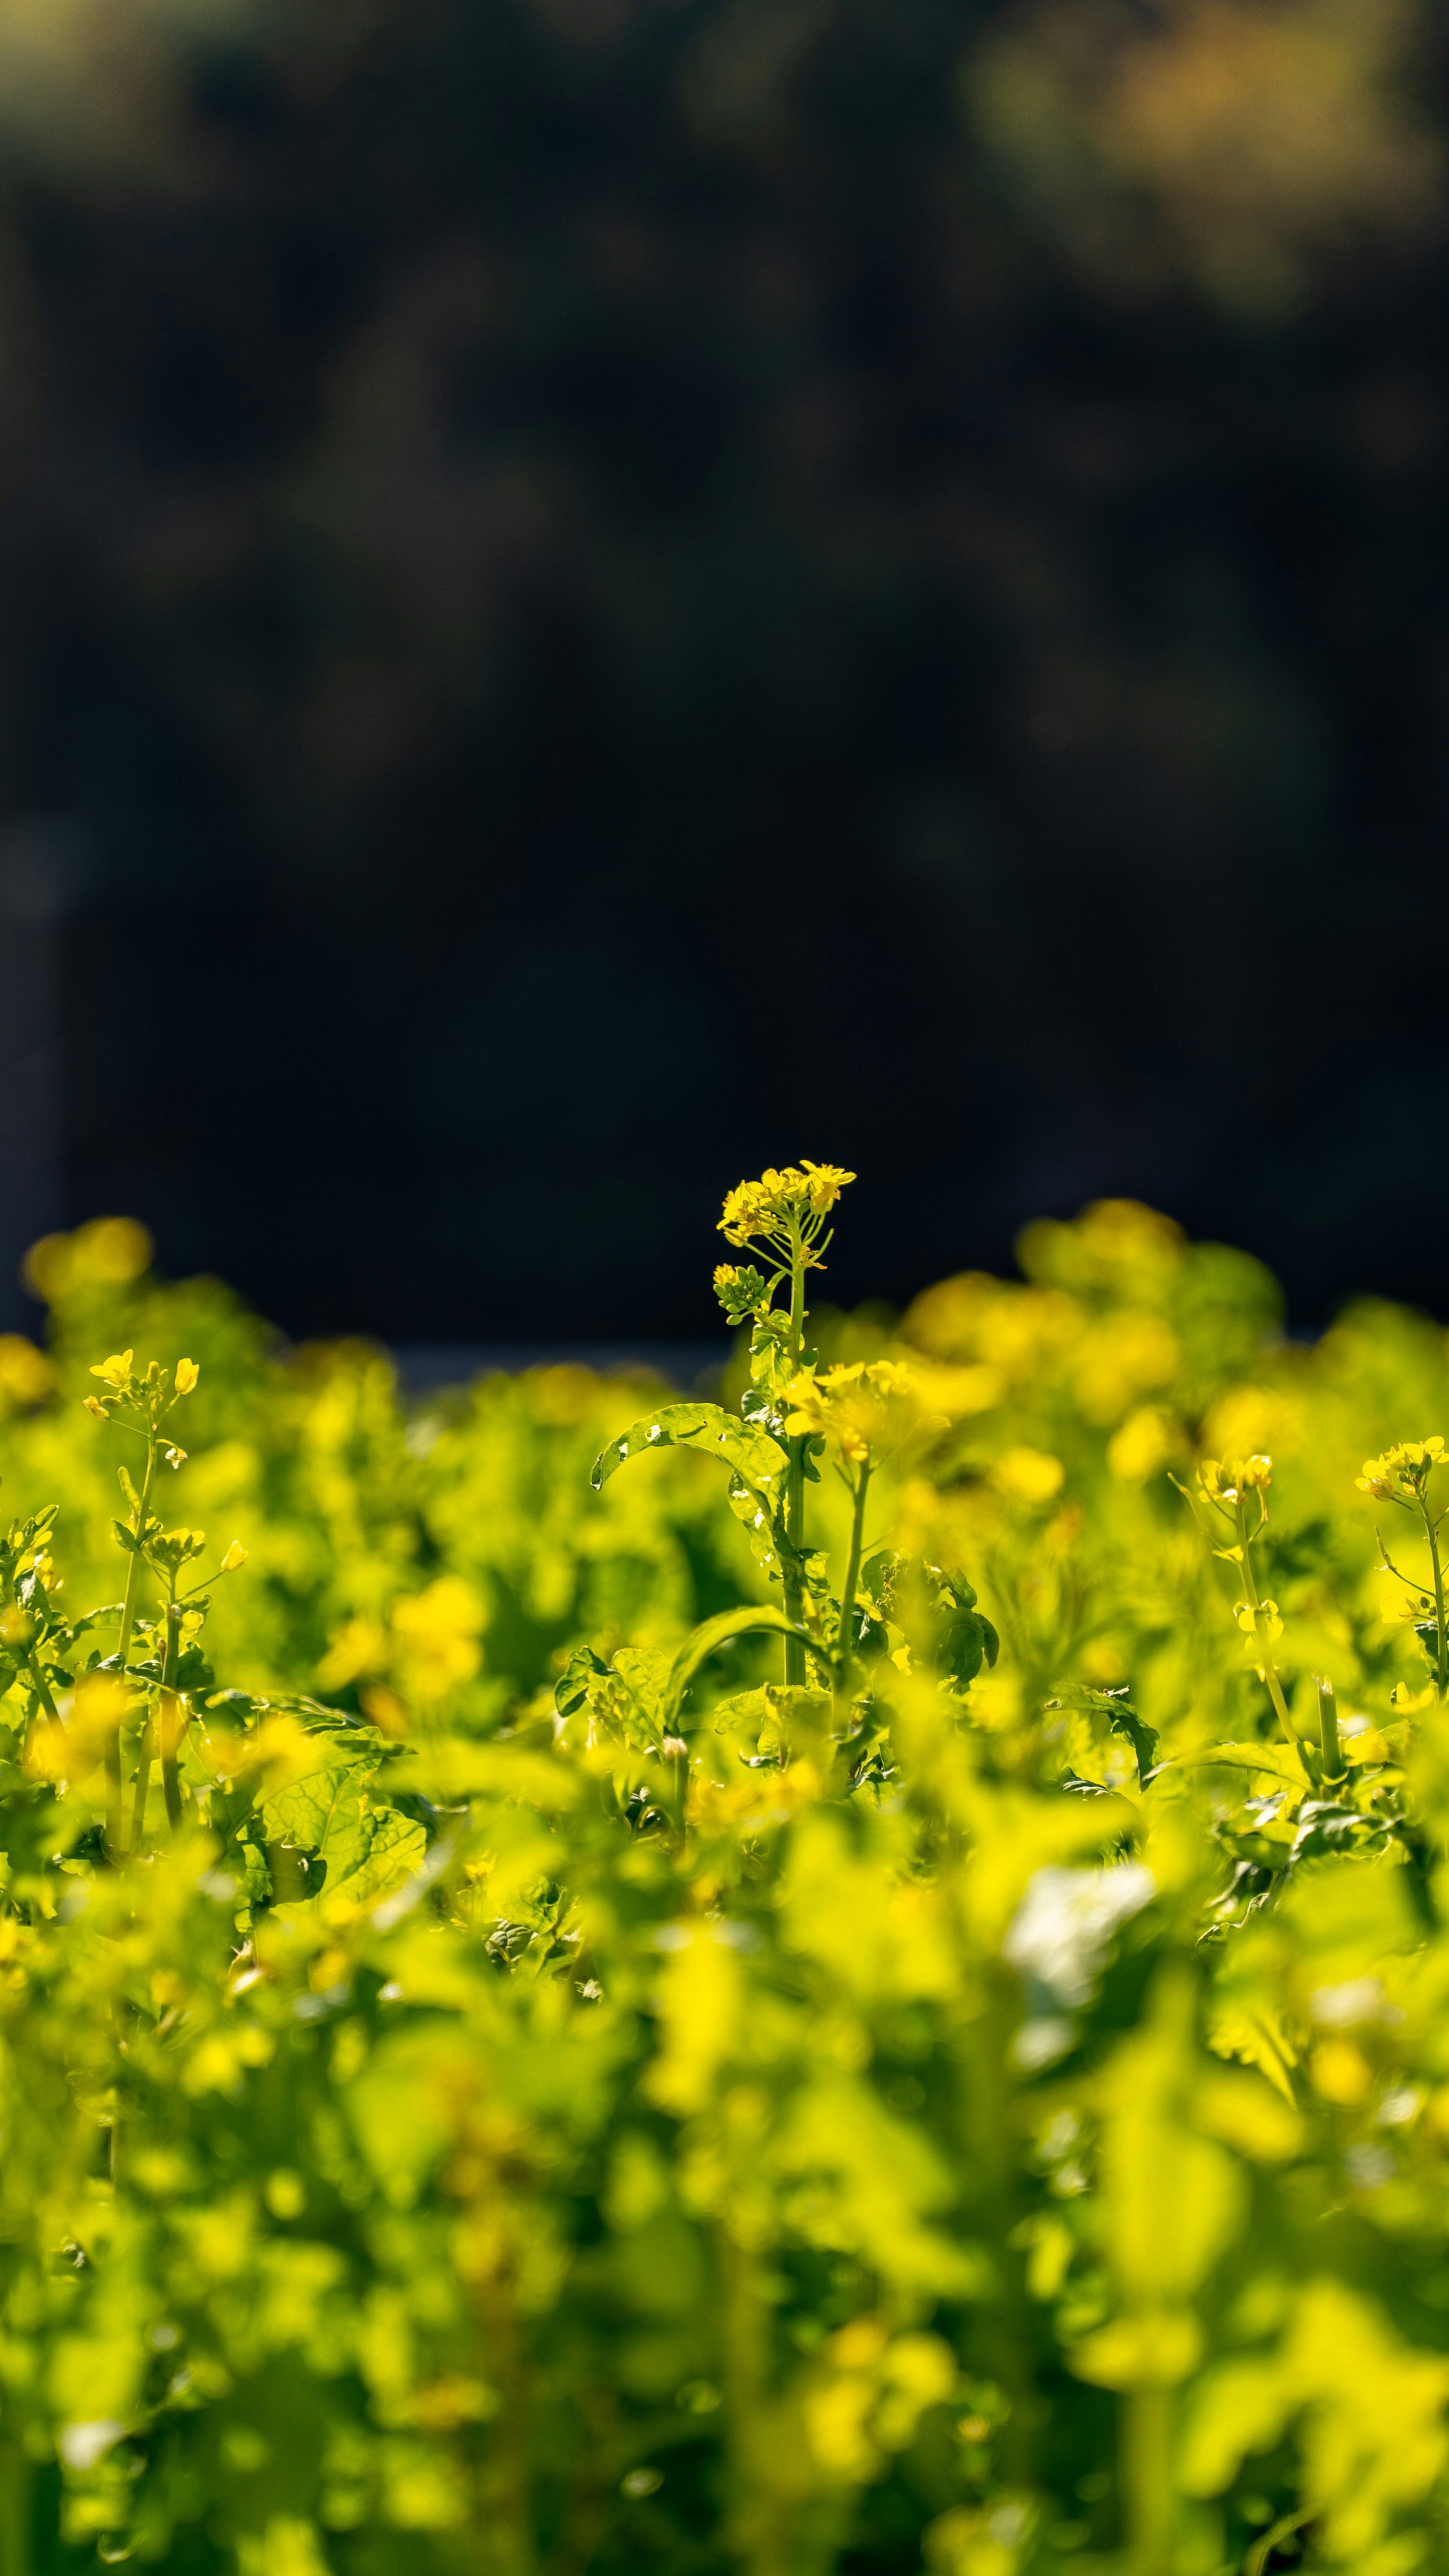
{"x": 600, "y": 592}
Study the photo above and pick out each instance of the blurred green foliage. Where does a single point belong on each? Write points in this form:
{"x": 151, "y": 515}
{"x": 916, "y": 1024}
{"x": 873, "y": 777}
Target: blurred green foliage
{"x": 557, "y": 2097}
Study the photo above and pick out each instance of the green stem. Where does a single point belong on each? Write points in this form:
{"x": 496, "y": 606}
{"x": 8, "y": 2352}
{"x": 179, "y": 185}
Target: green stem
{"x": 756, "y": 2541}
{"x": 171, "y": 1723}
{"x": 795, "y": 1671}
{"x": 133, "y": 1567}
{"x": 1443, "y": 1643}
{"x": 128, "y": 1618}
{"x": 42, "y": 1687}
{"x": 142, "y": 1787}
{"x": 852, "y": 1579}
{"x": 16, "y": 2511}
{"x": 1333, "y": 1764}
{"x": 1147, "y": 2479}
{"x": 1270, "y": 1674}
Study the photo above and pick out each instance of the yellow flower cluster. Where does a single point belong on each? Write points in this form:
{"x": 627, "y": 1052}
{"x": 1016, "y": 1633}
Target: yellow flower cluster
{"x": 1230, "y": 1480}
{"x": 26, "y": 1376}
{"x": 1109, "y": 1362}
{"x": 866, "y": 1408}
{"x": 777, "y": 1201}
{"x": 1406, "y": 1468}
{"x": 98, "y": 1258}
{"x": 153, "y": 1392}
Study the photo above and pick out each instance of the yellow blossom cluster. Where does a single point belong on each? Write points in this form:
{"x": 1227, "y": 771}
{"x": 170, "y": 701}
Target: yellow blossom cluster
{"x": 1404, "y": 1469}
{"x": 867, "y": 1407}
{"x": 780, "y": 1202}
{"x": 1231, "y": 1480}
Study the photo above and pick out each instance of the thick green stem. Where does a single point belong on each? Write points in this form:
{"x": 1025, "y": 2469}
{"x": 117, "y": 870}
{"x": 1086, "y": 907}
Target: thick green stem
{"x": 1147, "y": 2480}
{"x": 16, "y": 2511}
{"x": 1333, "y": 1764}
{"x": 171, "y": 1721}
{"x": 795, "y": 1482}
{"x": 757, "y": 2539}
{"x": 505, "y": 2482}
{"x": 133, "y": 1564}
{"x": 852, "y": 1579}
{"x": 1441, "y": 1641}
{"x": 128, "y": 1620}
{"x": 142, "y": 1787}
{"x": 1269, "y": 1670}
{"x": 42, "y": 1687}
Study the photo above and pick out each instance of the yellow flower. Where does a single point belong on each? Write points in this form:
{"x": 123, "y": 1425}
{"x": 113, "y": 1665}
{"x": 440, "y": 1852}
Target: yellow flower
{"x": 187, "y": 1374}
{"x": 1262, "y": 1622}
{"x": 26, "y": 1376}
{"x": 236, "y": 1555}
{"x": 868, "y": 1407}
{"x": 437, "y": 1637}
{"x": 106, "y": 1253}
{"x": 768, "y": 1206}
{"x": 1404, "y": 1469}
{"x": 1142, "y": 1447}
{"x": 1029, "y": 1475}
{"x": 1228, "y": 1480}
{"x": 116, "y": 1370}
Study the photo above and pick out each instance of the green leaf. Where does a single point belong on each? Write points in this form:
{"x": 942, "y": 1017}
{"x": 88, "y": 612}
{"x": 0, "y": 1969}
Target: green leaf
{"x": 365, "y": 1843}
{"x": 753, "y": 1455}
{"x": 702, "y": 1641}
{"x": 1278, "y": 1760}
{"x": 1120, "y": 1714}
{"x": 757, "y": 1463}
{"x": 583, "y": 1669}
{"x": 771, "y": 1366}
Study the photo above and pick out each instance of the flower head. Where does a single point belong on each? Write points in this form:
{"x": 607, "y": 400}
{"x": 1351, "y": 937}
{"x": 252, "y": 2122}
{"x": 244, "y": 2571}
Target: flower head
{"x": 1231, "y": 1480}
{"x": 1402, "y": 1471}
{"x": 768, "y": 1209}
{"x": 866, "y": 1408}
{"x": 1029, "y": 1475}
{"x": 116, "y": 1371}
{"x": 187, "y": 1374}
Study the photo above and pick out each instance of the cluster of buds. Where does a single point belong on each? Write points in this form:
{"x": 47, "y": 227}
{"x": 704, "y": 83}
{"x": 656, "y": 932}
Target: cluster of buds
{"x": 1230, "y": 1480}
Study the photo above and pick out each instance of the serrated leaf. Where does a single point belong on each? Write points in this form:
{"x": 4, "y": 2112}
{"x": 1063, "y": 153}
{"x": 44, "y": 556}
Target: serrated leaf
{"x": 1278, "y": 1760}
{"x": 365, "y": 1843}
{"x": 702, "y": 1641}
{"x": 757, "y": 1460}
{"x": 1119, "y": 1713}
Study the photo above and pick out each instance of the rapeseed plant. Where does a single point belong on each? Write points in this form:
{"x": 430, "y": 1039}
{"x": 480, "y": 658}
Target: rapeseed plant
{"x": 549, "y": 2028}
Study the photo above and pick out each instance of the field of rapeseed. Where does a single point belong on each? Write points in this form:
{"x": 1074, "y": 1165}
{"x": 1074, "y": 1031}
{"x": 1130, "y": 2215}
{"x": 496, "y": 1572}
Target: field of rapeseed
{"x": 863, "y": 1991}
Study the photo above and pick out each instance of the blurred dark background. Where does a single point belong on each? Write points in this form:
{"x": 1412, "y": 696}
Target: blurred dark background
{"x": 601, "y": 592}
